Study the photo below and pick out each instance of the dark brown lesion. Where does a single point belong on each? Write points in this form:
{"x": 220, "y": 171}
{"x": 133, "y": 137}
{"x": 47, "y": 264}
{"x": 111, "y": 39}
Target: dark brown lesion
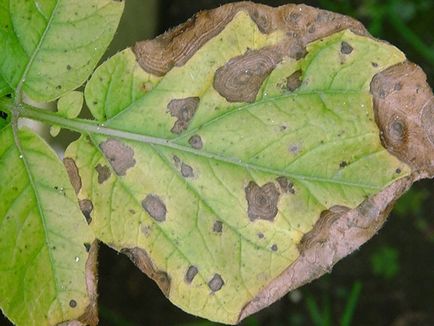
{"x": 184, "y": 110}
{"x": 103, "y": 173}
{"x": 294, "y": 81}
{"x": 155, "y": 207}
{"x": 119, "y": 155}
{"x": 240, "y": 79}
{"x": 142, "y": 260}
{"x": 73, "y": 173}
{"x": 301, "y": 24}
{"x": 262, "y": 201}
{"x": 86, "y": 207}
{"x": 403, "y": 107}
{"x": 216, "y": 283}
{"x": 286, "y": 186}
{"x": 321, "y": 230}
{"x": 191, "y": 273}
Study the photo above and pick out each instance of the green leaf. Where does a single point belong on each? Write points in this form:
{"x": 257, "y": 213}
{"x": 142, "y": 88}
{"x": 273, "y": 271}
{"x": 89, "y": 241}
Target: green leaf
{"x": 53, "y": 45}
{"x": 211, "y": 194}
{"x": 43, "y": 236}
{"x": 69, "y": 105}
{"x": 4, "y": 87}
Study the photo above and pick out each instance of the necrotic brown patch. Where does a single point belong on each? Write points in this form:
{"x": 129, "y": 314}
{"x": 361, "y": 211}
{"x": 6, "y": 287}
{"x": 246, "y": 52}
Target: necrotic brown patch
{"x": 239, "y": 79}
{"x": 73, "y": 173}
{"x": 428, "y": 120}
{"x": 285, "y": 185}
{"x": 321, "y": 230}
{"x": 86, "y": 207}
{"x": 186, "y": 170}
{"x": 191, "y": 274}
{"x": 346, "y": 48}
{"x": 120, "y": 156}
{"x": 196, "y": 142}
{"x": 217, "y": 227}
{"x": 294, "y": 81}
{"x": 155, "y": 207}
{"x": 216, "y": 283}
{"x": 183, "y": 109}
{"x": 141, "y": 259}
{"x": 262, "y": 201}
{"x": 103, "y": 173}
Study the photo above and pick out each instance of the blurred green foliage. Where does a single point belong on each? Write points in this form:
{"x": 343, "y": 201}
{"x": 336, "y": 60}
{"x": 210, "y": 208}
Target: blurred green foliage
{"x": 385, "y": 262}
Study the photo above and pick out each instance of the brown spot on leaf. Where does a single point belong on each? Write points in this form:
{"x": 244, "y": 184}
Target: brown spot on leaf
{"x": 73, "y": 173}
{"x": 285, "y": 185}
{"x": 346, "y": 48}
{"x": 196, "y": 142}
{"x": 186, "y": 170}
{"x": 343, "y": 232}
{"x": 86, "y": 207}
{"x": 184, "y": 110}
{"x": 343, "y": 164}
{"x": 217, "y": 227}
{"x": 260, "y": 235}
{"x": 404, "y": 116}
{"x": 87, "y": 246}
{"x": 321, "y": 230}
{"x": 240, "y": 78}
{"x": 103, "y": 173}
{"x": 302, "y": 24}
{"x": 191, "y": 274}
{"x": 141, "y": 259}
{"x": 274, "y": 247}
{"x": 216, "y": 283}
{"x": 155, "y": 207}
{"x": 262, "y": 201}
{"x": 120, "y": 156}
{"x": 294, "y": 81}
{"x": 72, "y": 303}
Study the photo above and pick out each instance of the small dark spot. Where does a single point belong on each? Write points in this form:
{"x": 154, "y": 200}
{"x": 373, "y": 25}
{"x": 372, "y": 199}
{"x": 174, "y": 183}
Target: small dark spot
{"x": 294, "y": 149}
{"x": 176, "y": 160}
{"x": 195, "y": 142}
{"x": 86, "y": 207}
{"x": 217, "y": 227}
{"x": 58, "y": 87}
{"x": 262, "y": 201}
{"x": 294, "y": 81}
{"x": 398, "y": 171}
{"x": 346, "y": 48}
{"x": 186, "y": 170}
{"x": 155, "y": 207}
{"x": 274, "y": 247}
{"x": 87, "y": 246}
{"x": 343, "y": 164}
{"x": 183, "y": 109}
{"x": 120, "y": 156}
{"x": 216, "y": 283}
{"x": 95, "y": 103}
{"x": 132, "y": 211}
{"x": 191, "y": 273}
{"x": 261, "y": 235}
{"x": 103, "y": 173}
{"x": 3, "y": 115}
{"x": 374, "y": 64}
{"x": 73, "y": 303}
{"x": 68, "y": 67}
{"x": 397, "y": 130}
{"x": 285, "y": 185}
{"x": 397, "y": 86}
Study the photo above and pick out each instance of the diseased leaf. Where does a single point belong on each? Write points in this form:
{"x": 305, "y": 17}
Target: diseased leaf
{"x": 47, "y": 273}
{"x": 245, "y": 152}
{"x": 53, "y": 45}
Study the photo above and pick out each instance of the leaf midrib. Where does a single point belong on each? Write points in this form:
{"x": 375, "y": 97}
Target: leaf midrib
{"x": 19, "y": 89}
{"x": 89, "y": 126}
